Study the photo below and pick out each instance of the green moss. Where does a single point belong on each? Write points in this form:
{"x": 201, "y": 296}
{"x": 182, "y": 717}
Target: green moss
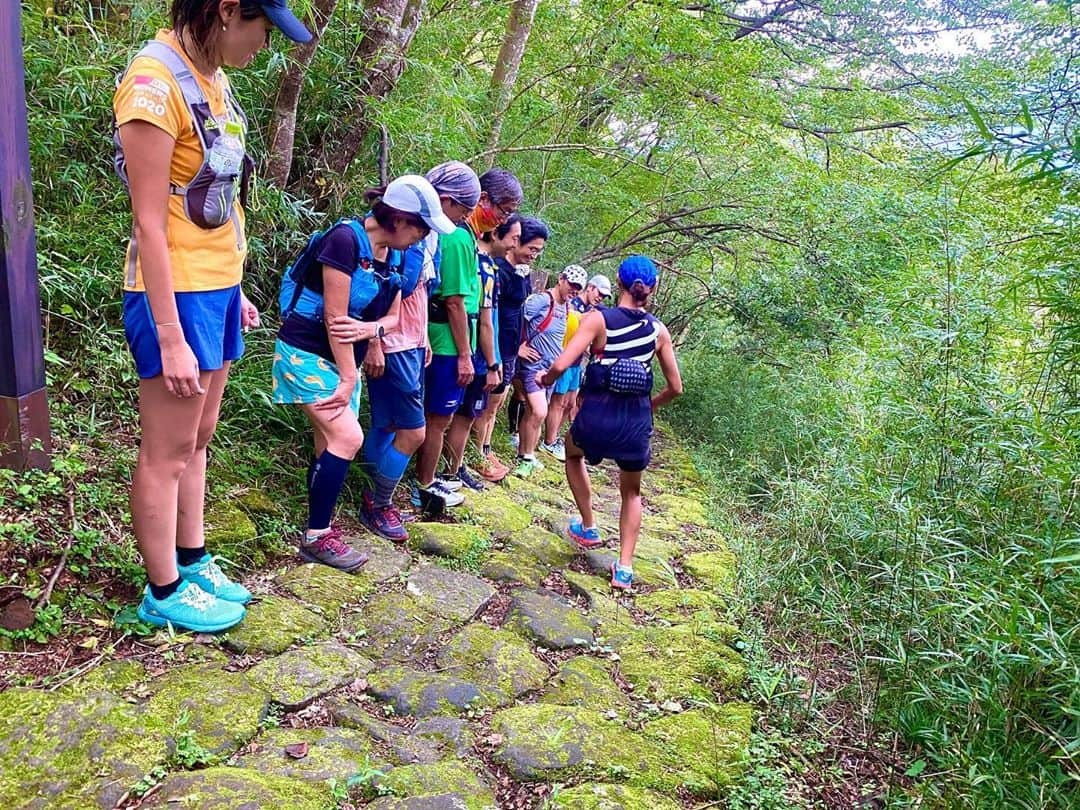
{"x": 114, "y": 676}
{"x": 498, "y": 661}
{"x": 586, "y": 681}
{"x": 678, "y": 662}
{"x": 596, "y": 796}
{"x": 77, "y": 747}
{"x": 531, "y": 493}
{"x": 681, "y": 605}
{"x": 453, "y": 595}
{"x": 707, "y": 748}
{"x": 543, "y": 742}
{"x": 208, "y": 707}
{"x": 297, "y": 677}
{"x": 423, "y": 694}
{"x": 513, "y": 567}
{"x": 451, "y": 540}
{"x": 397, "y": 626}
{"x": 495, "y": 512}
{"x": 231, "y": 788}
{"x": 274, "y": 624}
{"x": 612, "y": 618}
{"x": 231, "y": 534}
{"x": 717, "y": 569}
{"x": 548, "y": 621}
{"x": 450, "y": 780}
{"x": 332, "y": 753}
{"x": 681, "y": 510}
{"x": 542, "y": 545}
{"x": 324, "y": 587}
{"x": 554, "y": 519}
{"x": 257, "y": 502}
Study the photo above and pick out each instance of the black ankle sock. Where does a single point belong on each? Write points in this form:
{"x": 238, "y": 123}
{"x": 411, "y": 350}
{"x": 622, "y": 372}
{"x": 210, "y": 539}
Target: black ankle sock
{"x": 486, "y": 449}
{"x": 163, "y": 591}
{"x": 187, "y": 556}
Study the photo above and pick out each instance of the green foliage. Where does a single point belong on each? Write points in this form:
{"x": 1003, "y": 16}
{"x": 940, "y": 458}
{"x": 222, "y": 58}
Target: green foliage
{"x": 879, "y": 339}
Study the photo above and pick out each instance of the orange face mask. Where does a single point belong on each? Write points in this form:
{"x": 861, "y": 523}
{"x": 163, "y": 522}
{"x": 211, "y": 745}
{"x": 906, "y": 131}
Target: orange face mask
{"x": 484, "y": 217}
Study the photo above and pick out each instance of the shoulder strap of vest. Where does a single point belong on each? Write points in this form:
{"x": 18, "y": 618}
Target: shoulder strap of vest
{"x": 360, "y": 233}
{"x": 544, "y": 324}
{"x": 303, "y": 265}
{"x": 164, "y": 53}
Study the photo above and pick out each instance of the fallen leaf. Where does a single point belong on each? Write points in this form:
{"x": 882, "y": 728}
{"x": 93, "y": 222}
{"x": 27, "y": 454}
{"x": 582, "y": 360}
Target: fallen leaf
{"x": 297, "y": 750}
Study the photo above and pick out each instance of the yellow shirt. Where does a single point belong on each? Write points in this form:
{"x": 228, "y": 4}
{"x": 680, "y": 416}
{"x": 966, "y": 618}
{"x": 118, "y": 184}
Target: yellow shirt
{"x": 573, "y": 318}
{"x": 201, "y": 259}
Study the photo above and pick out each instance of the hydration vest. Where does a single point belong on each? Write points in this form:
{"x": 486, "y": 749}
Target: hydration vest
{"x": 209, "y": 195}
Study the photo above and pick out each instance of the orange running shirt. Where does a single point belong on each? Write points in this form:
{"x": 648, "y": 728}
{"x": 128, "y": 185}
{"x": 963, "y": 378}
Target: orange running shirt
{"x": 202, "y": 259}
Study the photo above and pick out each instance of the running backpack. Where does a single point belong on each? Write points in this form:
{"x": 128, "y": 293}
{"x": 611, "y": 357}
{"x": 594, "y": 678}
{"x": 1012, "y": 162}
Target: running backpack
{"x": 544, "y": 324}
{"x": 293, "y": 282}
{"x": 209, "y": 196}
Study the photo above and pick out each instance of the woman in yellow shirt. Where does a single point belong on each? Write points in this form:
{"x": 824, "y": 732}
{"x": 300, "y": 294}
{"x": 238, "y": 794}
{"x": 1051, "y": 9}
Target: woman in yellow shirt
{"x": 180, "y": 150}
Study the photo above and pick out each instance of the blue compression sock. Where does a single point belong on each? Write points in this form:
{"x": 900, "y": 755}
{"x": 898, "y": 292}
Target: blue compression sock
{"x": 376, "y": 444}
{"x": 388, "y": 471}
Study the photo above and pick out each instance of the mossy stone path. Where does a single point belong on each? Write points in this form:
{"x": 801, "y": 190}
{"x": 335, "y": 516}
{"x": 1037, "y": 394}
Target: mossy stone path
{"x": 478, "y": 666}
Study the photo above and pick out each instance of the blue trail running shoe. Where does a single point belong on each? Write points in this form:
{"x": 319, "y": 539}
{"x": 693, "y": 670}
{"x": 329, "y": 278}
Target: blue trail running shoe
{"x": 206, "y": 573}
{"x": 189, "y": 607}
{"x": 585, "y": 538}
{"x": 621, "y": 577}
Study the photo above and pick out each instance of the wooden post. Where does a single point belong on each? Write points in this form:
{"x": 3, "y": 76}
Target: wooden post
{"x": 24, "y": 413}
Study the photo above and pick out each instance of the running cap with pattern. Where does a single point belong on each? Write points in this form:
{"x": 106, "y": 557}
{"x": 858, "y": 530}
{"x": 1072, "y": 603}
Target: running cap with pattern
{"x": 637, "y": 268}
{"x": 602, "y": 284}
{"x": 575, "y": 274}
{"x": 415, "y": 195}
{"x": 457, "y": 181}
{"x": 284, "y": 20}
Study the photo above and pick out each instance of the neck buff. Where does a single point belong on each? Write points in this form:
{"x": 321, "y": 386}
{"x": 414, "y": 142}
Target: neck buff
{"x": 484, "y": 218}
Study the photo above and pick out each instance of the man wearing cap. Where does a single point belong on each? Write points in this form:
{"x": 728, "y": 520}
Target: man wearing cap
{"x": 394, "y": 365}
{"x": 563, "y": 404}
{"x": 454, "y": 327}
{"x": 545, "y": 316}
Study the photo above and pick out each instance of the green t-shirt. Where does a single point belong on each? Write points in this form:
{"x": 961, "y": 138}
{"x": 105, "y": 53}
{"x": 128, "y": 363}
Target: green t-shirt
{"x": 458, "y": 275}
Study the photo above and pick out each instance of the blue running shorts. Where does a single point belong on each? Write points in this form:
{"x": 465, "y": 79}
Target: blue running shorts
{"x": 211, "y": 324}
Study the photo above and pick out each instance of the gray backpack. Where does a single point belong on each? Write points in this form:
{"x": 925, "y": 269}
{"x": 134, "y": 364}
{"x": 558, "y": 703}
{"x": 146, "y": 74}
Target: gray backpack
{"x": 209, "y": 196}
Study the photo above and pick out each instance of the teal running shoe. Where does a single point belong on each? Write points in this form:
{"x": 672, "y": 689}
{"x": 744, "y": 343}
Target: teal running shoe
{"x": 208, "y": 575}
{"x": 189, "y": 607}
{"x": 621, "y": 577}
{"x": 585, "y": 538}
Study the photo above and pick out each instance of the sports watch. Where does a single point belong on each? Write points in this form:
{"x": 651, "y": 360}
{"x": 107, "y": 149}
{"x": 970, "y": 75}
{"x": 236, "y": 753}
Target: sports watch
{"x": 379, "y": 331}
{"x": 493, "y": 367}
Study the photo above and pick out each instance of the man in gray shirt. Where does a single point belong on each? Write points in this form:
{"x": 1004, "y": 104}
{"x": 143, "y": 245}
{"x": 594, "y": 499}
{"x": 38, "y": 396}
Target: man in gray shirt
{"x": 544, "y": 322}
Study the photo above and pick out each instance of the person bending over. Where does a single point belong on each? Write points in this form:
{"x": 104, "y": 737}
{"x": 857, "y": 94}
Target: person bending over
{"x": 349, "y": 294}
{"x": 564, "y": 395}
{"x": 394, "y": 366}
{"x": 453, "y": 315}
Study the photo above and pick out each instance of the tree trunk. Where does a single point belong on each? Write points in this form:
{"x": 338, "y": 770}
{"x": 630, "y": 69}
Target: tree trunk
{"x": 283, "y": 121}
{"x": 389, "y": 27}
{"x": 518, "y": 27}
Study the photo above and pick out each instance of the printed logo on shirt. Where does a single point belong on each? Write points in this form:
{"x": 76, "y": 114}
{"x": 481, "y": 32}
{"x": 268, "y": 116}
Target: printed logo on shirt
{"x": 152, "y": 85}
{"x": 147, "y": 102}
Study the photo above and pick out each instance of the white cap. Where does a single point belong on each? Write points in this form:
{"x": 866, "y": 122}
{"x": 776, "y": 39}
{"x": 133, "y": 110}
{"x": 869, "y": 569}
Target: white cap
{"x": 601, "y": 283}
{"x": 415, "y": 195}
{"x": 575, "y": 274}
